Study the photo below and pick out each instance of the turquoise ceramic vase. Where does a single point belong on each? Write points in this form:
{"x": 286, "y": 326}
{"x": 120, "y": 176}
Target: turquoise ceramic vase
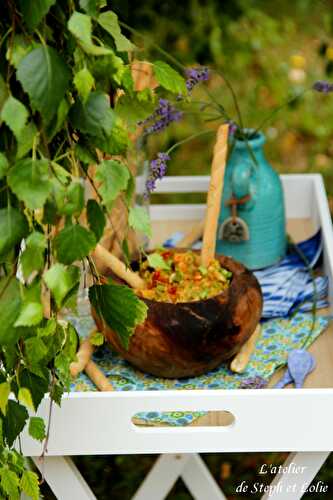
{"x": 254, "y": 189}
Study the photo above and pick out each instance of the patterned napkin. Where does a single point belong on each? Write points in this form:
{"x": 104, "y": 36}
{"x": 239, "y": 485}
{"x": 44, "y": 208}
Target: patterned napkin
{"x": 278, "y": 337}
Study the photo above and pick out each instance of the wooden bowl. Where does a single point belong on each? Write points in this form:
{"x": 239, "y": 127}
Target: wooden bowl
{"x": 188, "y": 339}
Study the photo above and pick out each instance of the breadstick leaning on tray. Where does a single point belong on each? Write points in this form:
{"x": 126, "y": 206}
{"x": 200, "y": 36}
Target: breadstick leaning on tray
{"x": 201, "y": 308}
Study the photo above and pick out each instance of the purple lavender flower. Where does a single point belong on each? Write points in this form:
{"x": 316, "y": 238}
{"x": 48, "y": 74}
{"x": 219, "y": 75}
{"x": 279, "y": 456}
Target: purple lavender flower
{"x": 158, "y": 168}
{"x": 232, "y": 127}
{"x": 323, "y": 86}
{"x": 164, "y": 114}
{"x": 253, "y": 383}
{"x": 195, "y": 76}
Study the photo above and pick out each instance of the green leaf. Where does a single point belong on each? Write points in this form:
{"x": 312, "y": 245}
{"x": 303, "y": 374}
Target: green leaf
{"x": 84, "y": 82}
{"x": 29, "y": 481}
{"x": 37, "y": 428}
{"x": 127, "y": 81}
{"x": 70, "y": 199}
{"x": 35, "y": 350}
{"x": 96, "y": 218}
{"x": 109, "y": 21}
{"x": 3, "y": 165}
{"x": 120, "y": 308}
{"x": 62, "y": 363}
{"x": 73, "y": 243}
{"x": 81, "y": 28}
{"x": 97, "y": 339}
{"x": 24, "y": 397}
{"x": 61, "y": 281}
{"x": 37, "y": 385}
{"x": 126, "y": 252}
{"x": 94, "y": 117}
{"x": 108, "y": 70}
{"x": 44, "y": 76}
{"x": 58, "y": 121}
{"x": 48, "y": 329}
{"x": 56, "y": 393}
{"x": 139, "y": 220}
{"x": 9, "y": 483}
{"x": 14, "y": 421}
{"x": 168, "y": 78}
{"x": 54, "y": 344}
{"x": 85, "y": 155}
{"x": 33, "y": 12}
{"x": 130, "y": 191}
{"x": 116, "y": 143}
{"x": 32, "y": 259}
{"x": 32, "y": 292}
{"x": 31, "y": 314}
{"x": 91, "y": 7}
{"x": 18, "y": 47}
{"x": 113, "y": 177}
{"x": 4, "y": 395}
{"x": 26, "y": 139}
{"x": 13, "y": 227}
{"x": 15, "y": 115}
{"x": 3, "y": 93}
{"x": 71, "y": 344}
{"x": 156, "y": 261}
{"x": 132, "y": 110}
{"x": 29, "y": 180}
{"x": 10, "y": 305}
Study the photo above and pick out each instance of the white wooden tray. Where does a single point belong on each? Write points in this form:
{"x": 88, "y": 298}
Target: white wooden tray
{"x": 92, "y": 423}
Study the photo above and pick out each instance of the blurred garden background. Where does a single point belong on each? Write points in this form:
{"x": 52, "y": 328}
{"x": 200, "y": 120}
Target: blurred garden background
{"x": 271, "y": 52}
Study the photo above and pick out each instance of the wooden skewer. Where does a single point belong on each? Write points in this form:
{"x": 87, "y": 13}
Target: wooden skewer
{"x": 83, "y": 355}
{"x": 118, "y": 267}
{"x": 214, "y": 195}
{"x": 241, "y": 360}
{"x": 190, "y": 238}
{"x": 98, "y": 377}
{"x": 84, "y": 363}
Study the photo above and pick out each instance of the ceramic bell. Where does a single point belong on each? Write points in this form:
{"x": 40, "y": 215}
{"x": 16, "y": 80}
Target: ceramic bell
{"x": 252, "y": 226}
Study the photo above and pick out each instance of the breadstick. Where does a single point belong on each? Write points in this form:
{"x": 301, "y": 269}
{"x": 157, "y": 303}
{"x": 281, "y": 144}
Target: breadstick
{"x": 118, "y": 267}
{"x": 98, "y": 377}
{"x": 241, "y": 360}
{"x": 192, "y": 236}
{"x": 214, "y": 195}
{"x": 83, "y": 355}
{"x": 143, "y": 75}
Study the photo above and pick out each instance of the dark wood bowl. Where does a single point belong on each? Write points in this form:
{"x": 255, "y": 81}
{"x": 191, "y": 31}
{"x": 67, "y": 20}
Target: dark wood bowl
{"x": 188, "y": 339}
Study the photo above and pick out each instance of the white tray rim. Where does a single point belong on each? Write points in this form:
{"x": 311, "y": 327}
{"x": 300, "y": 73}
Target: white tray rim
{"x": 265, "y": 419}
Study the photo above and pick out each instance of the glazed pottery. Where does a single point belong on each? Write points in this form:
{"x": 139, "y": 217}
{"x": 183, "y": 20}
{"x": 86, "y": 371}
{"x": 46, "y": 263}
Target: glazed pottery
{"x": 260, "y": 206}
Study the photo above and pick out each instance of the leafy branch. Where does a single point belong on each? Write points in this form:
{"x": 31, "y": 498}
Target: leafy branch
{"x": 63, "y": 64}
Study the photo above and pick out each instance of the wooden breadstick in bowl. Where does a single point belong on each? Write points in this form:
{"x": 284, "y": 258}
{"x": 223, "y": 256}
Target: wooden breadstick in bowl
{"x": 118, "y": 267}
{"x": 98, "y": 377}
{"x": 214, "y": 195}
{"x": 84, "y": 363}
{"x": 240, "y": 361}
{"x": 83, "y": 356}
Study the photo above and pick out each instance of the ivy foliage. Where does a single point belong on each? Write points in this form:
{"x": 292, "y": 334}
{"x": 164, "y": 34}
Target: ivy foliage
{"x": 63, "y": 65}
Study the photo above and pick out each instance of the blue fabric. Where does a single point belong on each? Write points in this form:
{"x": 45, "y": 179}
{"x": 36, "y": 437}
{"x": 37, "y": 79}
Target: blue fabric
{"x": 288, "y": 285}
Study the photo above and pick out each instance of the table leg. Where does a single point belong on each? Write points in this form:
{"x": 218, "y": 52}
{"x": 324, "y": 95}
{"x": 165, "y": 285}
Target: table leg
{"x": 168, "y": 468}
{"x": 199, "y": 480}
{"x": 64, "y": 478}
{"x": 288, "y": 485}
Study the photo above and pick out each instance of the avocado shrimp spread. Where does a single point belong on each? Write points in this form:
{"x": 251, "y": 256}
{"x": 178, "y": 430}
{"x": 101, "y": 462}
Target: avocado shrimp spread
{"x": 173, "y": 276}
